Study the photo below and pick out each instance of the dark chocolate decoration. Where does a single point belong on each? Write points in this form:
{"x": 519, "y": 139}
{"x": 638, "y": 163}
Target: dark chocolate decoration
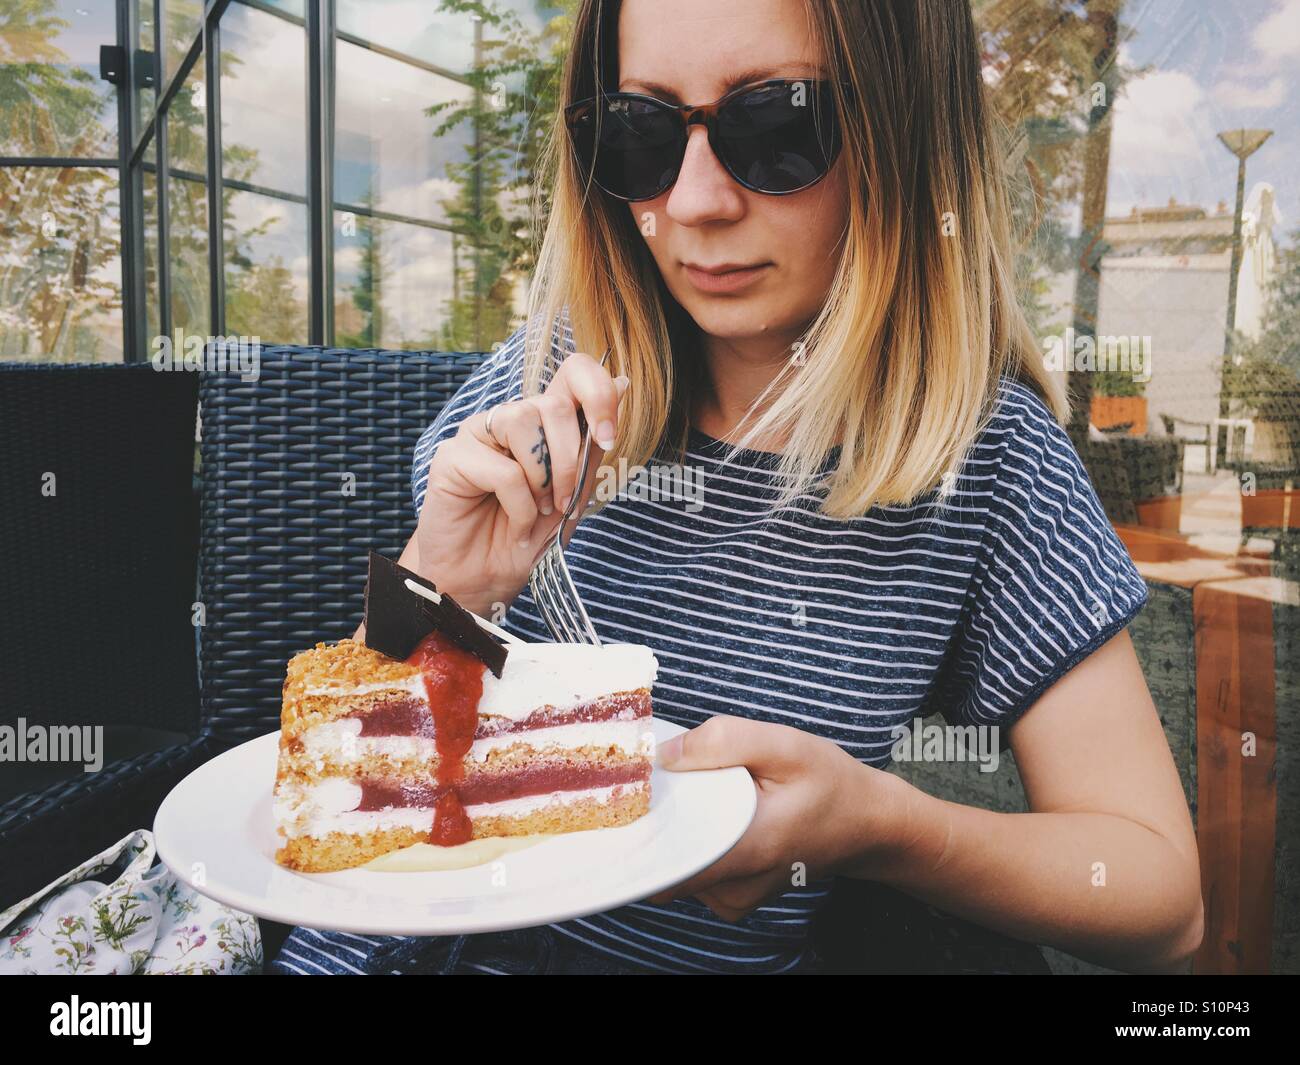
{"x": 397, "y": 619}
{"x": 458, "y": 624}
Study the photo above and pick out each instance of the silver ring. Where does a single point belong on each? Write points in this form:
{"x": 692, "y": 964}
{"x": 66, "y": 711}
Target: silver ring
{"x": 487, "y": 425}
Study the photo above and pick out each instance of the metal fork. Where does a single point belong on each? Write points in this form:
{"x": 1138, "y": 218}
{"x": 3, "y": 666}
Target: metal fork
{"x": 553, "y": 589}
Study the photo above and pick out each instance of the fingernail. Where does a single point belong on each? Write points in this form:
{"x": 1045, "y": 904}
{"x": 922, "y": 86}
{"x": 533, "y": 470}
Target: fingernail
{"x": 621, "y": 382}
{"x": 547, "y": 508}
{"x": 524, "y": 541}
{"x": 605, "y": 434}
{"x": 668, "y": 752}
{"x": 565, "y": 502}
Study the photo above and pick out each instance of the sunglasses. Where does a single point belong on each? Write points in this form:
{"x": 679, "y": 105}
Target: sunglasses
{"x": 775, "y": 137}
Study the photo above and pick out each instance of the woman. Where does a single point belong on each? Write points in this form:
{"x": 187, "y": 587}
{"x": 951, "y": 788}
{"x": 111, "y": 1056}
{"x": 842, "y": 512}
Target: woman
{"x": 892, "y": 520}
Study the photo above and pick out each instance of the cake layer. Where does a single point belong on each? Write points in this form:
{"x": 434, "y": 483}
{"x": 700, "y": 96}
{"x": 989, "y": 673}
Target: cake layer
{"x": 322, "y": 684}
{"x": 394, "y": 714}
{"x": 344, "y": 845}
{"x": 338, "y": 748}
{"x": 301, "y": 804}
{"x": 540, "y": 777}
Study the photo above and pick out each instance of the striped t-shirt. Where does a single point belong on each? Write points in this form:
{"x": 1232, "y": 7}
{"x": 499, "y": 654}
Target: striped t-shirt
{"x": 971, "y": 603}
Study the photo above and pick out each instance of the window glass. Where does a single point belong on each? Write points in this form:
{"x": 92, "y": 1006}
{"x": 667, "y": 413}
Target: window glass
{"x": 386, "y": 154}
{"x": 51, "y": 99}
{"x": 187, "y": 206}
{"x": 266, "y": 268}
{"x": 393, "y": 283}
{"x": 60, "y": 271}
{"x": 263, "y": 100}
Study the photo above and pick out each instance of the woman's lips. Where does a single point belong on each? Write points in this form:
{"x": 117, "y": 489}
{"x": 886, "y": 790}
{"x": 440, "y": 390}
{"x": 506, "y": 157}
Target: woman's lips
{"x": 731, "y": 281}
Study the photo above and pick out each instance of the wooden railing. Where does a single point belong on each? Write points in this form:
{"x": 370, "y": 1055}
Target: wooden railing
{"x": 1233, "y": 603}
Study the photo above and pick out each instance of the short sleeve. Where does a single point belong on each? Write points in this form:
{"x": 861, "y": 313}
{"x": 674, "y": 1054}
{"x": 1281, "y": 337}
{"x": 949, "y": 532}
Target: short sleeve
{"x": 1052, "y": 580}
{"x": 498, "y": 379}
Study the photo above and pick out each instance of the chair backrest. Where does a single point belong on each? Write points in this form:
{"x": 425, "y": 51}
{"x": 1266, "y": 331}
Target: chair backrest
{"x": 97, "y": 546}
{"x": 304, "y": 470}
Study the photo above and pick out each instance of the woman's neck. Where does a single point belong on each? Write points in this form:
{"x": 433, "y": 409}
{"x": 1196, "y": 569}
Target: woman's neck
{"x": 735, "y": 374}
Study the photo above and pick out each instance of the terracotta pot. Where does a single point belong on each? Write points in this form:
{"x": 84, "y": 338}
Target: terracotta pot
{"x": 1108, "y": 411}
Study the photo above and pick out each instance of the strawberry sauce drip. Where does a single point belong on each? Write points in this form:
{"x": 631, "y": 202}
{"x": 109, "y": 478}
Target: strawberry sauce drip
{"x": 453, "y": 681}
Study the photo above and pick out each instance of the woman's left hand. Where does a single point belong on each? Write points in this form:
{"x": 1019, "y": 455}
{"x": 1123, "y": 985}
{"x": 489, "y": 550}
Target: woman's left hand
{"x": 818, "y": 808}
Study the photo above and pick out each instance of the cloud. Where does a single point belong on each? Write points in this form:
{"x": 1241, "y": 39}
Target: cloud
{"x": 1277, "y": 36}
{"x": 1159, "y": 119}
{"x": 1236, "y": 94}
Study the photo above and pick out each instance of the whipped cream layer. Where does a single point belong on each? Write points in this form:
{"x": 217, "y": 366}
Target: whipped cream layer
{"x": 330, "y": 806}
{"x": 340, "y": 742}
{"x": 562, "y": 675}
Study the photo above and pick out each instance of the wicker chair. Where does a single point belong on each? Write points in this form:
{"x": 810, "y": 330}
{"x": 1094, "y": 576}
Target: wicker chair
{"x": 97, "y": 537}
{"x": 304, "y": 471}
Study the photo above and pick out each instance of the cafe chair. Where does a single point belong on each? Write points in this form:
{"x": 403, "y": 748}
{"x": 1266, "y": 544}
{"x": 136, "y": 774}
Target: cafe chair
{"x": 98, "y": 523}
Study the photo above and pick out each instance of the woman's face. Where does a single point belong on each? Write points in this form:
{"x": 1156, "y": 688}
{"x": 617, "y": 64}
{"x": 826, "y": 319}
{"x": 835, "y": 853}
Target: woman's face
{"x": 693, "y": 52}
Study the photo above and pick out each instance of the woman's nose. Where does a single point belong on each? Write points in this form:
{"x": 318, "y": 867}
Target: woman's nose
{"x": 703, "y": 184}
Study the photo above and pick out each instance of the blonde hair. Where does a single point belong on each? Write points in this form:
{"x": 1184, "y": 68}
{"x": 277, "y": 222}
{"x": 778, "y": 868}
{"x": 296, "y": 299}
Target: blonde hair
{"x": 902, "y": 363}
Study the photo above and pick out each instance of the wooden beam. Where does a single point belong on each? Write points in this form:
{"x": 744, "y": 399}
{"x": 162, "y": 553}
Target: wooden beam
{"x": 1236, "y": 815}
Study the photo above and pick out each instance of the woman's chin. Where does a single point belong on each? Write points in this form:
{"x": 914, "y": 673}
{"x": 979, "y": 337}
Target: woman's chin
{"x": 733, "y": 317}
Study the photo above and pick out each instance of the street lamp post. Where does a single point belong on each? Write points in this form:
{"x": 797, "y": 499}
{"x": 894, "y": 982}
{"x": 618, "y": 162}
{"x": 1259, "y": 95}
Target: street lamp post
{"x": 1242, "y": 143}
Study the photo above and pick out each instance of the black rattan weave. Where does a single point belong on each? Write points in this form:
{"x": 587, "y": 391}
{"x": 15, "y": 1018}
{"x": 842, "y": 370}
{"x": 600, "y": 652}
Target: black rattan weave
{"x": 283, "y": 544}
{"x": 97, "y": 557}
{"x": 97, "y": 581}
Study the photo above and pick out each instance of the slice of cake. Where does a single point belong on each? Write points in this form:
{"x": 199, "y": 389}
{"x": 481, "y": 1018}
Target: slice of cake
{"x": 444, "y": 745}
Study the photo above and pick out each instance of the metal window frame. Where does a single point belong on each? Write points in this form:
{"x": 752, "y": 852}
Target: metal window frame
{"x": 320, "y": 170}
{"x": 216, "y": 186}
{"x": 135, "y": 136}
{"x": 137, "y": 133}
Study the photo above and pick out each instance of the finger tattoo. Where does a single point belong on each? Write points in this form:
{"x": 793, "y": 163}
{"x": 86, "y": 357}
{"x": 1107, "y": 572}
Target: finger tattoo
{"x": 543, "y": 453}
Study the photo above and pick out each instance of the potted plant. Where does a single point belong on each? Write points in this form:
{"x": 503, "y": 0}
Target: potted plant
{"x": 1118, "y": 400}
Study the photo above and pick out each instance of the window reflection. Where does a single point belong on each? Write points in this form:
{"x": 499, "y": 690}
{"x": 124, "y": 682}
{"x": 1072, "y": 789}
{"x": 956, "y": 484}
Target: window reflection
{"x": 146, "y": 65}
{"x": 183, "y": 19}
{"x": 1194, "y": 451}
{"x": 187, "y": 206}
{"x": 149, "y": 269}
{"x": 263, "y": 100}
{"x": 266, "y": 268}
{"x": 425, "y": 31}
{"x": 393, "y": 283}
{"x": 51, "y": 99}
{"x": 60, "y": 272}
{"x": 386, "y": 154}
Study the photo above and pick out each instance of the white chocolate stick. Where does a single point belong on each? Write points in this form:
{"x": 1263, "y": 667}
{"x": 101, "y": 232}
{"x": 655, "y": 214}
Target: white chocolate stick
{"x": 434, "y": 597}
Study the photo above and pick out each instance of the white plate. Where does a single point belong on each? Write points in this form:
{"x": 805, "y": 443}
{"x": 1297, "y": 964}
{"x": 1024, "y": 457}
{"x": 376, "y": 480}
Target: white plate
{"x": 216, "y": 832}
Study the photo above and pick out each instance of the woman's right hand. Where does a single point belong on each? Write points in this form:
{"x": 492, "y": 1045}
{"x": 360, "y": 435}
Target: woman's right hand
{"x": 494, "y": 500}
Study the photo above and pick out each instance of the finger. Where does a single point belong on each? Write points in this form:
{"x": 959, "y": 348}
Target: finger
{"x": 470, "y": 468}
{"x": 735, "y": 887}
{"x": 595, "y": 481}
{"x": 560, "y": 424}
{"x": 592, "y": 388}
{"x": 517, "y": 429}
{"x": 766, "y": 749}
{"x": 734, "y": 899}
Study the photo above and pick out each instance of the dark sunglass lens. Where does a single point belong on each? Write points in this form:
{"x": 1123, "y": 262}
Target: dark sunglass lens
{"x": 637, "y": 149}
{"x": 780, "y": 138}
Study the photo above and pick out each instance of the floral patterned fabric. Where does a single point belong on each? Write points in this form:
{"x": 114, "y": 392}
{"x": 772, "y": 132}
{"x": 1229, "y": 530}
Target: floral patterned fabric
{"x": 124, "y": 912}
